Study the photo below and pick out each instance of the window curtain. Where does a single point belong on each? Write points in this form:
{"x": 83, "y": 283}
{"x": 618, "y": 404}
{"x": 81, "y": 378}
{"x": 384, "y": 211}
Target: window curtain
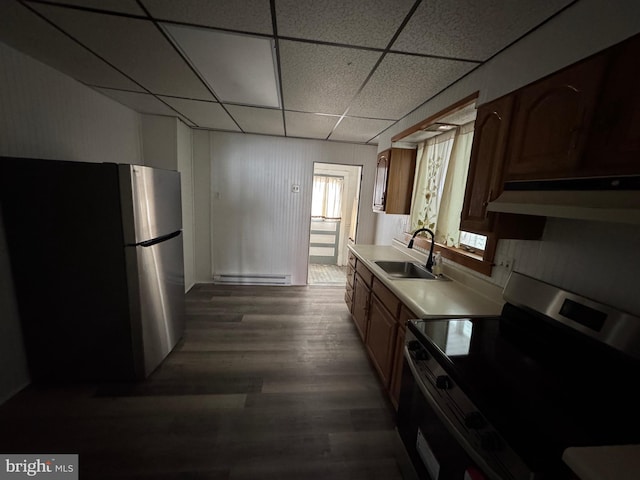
{"x": 448, "y": 224}
{"x": 433, "y": 159}
{"x": 326, "y": 201}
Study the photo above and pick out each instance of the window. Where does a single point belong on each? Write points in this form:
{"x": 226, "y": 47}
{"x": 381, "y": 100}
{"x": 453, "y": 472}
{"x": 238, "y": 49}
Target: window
{"x": 440, "y": 182}
{"x": 327, "y": 197}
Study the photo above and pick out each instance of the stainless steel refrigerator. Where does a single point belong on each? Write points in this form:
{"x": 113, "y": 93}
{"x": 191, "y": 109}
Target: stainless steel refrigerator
{"x": 97, "y": 264}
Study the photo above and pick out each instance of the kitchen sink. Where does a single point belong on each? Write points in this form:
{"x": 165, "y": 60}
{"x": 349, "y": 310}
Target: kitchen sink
{"x": 406, "y": 270}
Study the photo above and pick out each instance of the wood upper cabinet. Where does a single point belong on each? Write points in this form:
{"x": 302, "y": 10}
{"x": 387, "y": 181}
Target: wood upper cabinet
{"x": 613, "y": 147}
{"x": 393, "y": 185}
{"x": 551, "y": 121}
{"x": 485, "y": 177}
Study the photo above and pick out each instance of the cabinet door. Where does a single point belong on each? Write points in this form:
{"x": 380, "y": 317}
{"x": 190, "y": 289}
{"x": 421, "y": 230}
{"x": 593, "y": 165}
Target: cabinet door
{"x": 551, "y": 122}
{"x": 402, "y": 168}
{"x": 380, "y": 185}
{"x": 381, "y": 339}
{"x": 484, "y": 180}
{"x": 361, "y": 295}
{"x": 614, "y": 139}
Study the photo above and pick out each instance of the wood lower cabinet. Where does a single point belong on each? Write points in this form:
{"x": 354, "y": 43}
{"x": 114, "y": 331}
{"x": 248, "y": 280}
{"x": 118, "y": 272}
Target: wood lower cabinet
{"x": 381, "y": 339}
{"x": 398, "y": 360}
{"x": 380, "y": 318}
{"x": 360, "y": 311}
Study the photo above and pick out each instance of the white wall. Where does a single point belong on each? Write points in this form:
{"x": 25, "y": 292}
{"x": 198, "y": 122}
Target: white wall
{"x": 48, "y": 115}
{"x": 202, "y": 206}
{"x": 258, "y": 226}
{"x": 595, "y": 259}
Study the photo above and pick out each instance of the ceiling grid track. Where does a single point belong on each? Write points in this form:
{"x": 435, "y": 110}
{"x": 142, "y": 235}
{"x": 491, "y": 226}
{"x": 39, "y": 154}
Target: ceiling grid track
{"x": 71, "y": 37}
{"x": 274, "y": 22}
{"x": 186, "y": 60}
{"x": 375, "y": 67}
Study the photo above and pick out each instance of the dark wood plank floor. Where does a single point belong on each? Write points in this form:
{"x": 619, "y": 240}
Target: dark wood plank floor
{"x": 268, "y": 383}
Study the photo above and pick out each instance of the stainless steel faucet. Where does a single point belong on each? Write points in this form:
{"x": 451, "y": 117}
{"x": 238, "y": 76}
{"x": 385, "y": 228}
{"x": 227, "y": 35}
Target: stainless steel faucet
{"x": 429, "y": 265}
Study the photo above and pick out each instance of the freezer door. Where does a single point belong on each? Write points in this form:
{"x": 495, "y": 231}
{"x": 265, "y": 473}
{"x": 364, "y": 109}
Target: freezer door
{"x": 150, "y": 202}
{"x": 156, "y": 282}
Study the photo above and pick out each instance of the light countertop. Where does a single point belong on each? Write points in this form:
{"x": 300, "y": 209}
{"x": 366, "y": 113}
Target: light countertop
{"x": 614, "y": 462}
{"x": 462, "y": 296}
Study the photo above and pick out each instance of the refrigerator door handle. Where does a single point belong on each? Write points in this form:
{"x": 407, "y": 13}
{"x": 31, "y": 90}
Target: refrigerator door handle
{"x": 153, "y": 241}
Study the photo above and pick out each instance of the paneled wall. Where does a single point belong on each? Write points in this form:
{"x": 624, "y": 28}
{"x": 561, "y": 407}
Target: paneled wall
{"x": 48, "y": 115}
{"x": 258, "y": 225}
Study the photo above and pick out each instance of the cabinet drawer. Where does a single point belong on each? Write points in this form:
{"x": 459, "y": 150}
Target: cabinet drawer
{"x": 350, "y": 274}
{"x": 386, "y": 297}
{"x": 352, "y": 259}
{"x": 365, "y": 273}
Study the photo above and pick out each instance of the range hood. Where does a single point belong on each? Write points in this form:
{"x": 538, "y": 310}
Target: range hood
{"x": 608, "y": 199}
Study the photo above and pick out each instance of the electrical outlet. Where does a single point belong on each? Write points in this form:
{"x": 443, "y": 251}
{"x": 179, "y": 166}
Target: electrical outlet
{"x": 507, "y": 262}
{"x": 295, "y": 188}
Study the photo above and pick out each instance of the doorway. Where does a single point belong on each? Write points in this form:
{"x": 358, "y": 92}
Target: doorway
{"x": 334, "y": 220}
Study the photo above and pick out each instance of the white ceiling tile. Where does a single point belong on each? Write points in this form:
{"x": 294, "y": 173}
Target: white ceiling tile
{"x": 403, "y": 82}
{"x": 309, "y": 125}
{"x": 120, "y": 6}
{"x": 239, "y": 68}
{"x": 370, "y": 23}
{"x": 258, "y": 120}
{"x": 137, "y": 47}
{"x": 246, "y": 15}
{"x": 27, "y": 32}
{"x": 140, "y": 102}
{"x": 204, "y": 114}
{"x": 321, "y": 78}
{"x": 470, "y": 29}
{"x": 352, "y": 129}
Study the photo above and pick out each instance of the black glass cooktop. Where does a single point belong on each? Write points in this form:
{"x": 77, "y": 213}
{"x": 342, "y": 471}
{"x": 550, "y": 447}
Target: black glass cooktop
{"x": 539, "y": 386}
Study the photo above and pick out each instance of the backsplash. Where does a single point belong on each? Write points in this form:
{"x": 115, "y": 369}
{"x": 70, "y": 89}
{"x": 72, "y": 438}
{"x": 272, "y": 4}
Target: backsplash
{"x": 594, "y": 259}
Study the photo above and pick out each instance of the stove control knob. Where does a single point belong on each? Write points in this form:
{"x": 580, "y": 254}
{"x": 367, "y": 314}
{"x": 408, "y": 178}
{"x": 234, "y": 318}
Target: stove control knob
{"x": 443, "y": 382}
{"x": 474, "y": 420}
{"x": 417, "y": 351}
{"x": 490, "y": 441}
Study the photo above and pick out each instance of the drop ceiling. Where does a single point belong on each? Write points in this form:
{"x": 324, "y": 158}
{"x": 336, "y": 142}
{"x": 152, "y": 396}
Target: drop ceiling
{"x": 333, "y": 70}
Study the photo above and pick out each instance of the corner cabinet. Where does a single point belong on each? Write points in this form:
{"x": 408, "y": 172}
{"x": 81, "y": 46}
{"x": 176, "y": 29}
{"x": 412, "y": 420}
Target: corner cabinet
{"x": 395, "y": 169}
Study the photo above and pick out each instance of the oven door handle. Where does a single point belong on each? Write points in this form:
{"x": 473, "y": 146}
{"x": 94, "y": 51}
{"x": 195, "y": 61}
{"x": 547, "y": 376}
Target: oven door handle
{"x": 453, "y": 429}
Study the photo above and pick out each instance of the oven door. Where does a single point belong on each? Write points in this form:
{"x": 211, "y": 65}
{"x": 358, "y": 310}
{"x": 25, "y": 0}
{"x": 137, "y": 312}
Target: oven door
{"x": 434, "y": 451}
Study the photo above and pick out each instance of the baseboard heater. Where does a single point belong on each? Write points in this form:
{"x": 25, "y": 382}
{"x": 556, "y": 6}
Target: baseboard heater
{"x": 246, "y": 279}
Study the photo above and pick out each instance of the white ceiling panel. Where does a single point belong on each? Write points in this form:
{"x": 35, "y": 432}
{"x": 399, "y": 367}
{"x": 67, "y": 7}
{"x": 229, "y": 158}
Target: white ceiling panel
{"x": 258, "y": 120}
{"x": 470, "y": 29}
{"x": 247, "y": 15}
{"x": 369, "y": 23}
{"x": 204, "y": 114}
{"x": 321, "y": 78}
{"x": 352, "y": 129}
{"x": 121, "y": 6}
{"x": 403, "y": 82}
{"x": 27, "y": 32}
{"x": 140, "y": 102}
{"x": 239, "y": 68}
{"x": 137, "y": 47}
{"x": 309, "y": 125}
